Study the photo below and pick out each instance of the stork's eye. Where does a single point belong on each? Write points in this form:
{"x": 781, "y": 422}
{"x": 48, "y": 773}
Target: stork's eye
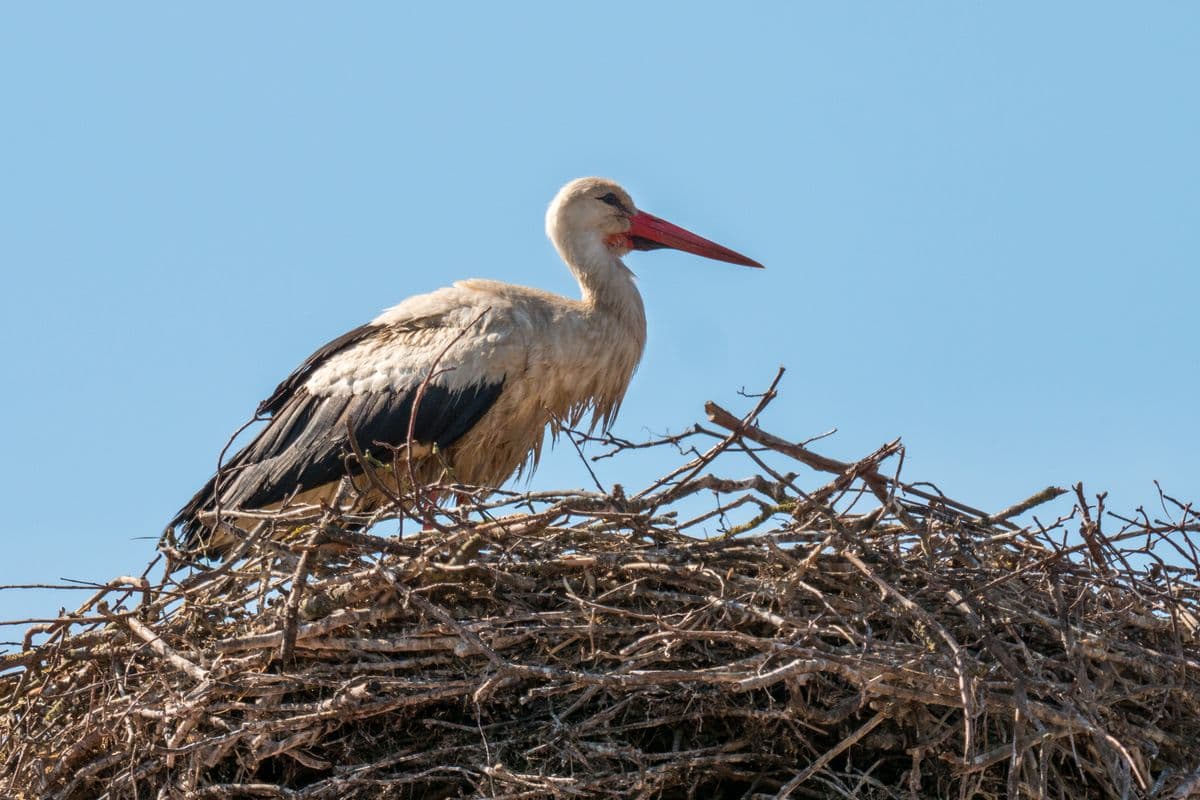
{"x": 612, "y": 200}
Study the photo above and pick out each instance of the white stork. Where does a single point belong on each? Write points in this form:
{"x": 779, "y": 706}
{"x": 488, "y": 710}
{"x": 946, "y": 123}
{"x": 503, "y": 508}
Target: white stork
{"x": 498, "y": 364}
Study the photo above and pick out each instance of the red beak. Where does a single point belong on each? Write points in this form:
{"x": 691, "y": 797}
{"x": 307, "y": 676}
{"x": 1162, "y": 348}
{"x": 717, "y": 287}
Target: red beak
{"x": 648, "y": 232}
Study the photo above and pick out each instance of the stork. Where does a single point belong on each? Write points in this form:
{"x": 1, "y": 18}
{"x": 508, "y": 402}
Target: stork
{"x": 488, "y": 366}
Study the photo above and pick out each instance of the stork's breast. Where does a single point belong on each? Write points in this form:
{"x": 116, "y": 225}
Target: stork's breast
{"x": 586, "y": 371}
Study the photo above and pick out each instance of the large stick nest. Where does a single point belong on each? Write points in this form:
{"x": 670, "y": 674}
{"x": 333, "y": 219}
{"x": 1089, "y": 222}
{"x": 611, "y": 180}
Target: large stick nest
{"x": 713, "y": 635}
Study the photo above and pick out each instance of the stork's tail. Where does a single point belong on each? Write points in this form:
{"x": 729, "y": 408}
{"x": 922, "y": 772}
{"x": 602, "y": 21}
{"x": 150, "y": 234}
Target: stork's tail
{"x": 188, "y": 531}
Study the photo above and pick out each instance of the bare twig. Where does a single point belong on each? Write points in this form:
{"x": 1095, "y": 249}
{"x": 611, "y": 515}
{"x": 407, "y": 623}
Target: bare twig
{"x": 585, "y": 644}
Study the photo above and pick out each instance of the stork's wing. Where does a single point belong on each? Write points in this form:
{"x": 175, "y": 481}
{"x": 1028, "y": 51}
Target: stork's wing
{"x": 364, "y": 384}
{"x": 294, "y": 381}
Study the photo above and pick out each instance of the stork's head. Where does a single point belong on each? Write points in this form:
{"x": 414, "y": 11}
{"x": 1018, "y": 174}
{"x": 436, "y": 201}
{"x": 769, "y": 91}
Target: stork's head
{"x": 594, "y": 219}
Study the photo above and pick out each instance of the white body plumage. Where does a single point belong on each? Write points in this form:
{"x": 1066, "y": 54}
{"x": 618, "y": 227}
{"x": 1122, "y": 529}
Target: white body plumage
{"x": 491, "y": 333}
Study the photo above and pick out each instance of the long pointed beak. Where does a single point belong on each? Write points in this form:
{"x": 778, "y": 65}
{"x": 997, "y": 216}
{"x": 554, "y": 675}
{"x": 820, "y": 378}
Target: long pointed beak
{"x": 648, "y": 232}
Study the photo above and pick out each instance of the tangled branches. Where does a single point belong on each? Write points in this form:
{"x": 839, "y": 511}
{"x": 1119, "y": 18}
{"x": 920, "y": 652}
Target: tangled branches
{"x": 864, "y": 638}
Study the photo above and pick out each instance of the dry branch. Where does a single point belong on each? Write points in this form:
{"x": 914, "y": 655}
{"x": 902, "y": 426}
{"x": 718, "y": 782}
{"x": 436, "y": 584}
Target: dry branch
{"x": 855, "y": 638}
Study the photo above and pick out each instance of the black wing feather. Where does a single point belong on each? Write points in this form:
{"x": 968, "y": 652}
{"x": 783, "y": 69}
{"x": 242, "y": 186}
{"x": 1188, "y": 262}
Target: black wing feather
{"x": 306, "y": 441}
{"x": 272, "y": 471}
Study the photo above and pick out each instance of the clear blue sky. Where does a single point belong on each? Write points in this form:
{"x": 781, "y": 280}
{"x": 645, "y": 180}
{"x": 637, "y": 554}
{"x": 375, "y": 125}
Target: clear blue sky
{"x": 981, "y": 225}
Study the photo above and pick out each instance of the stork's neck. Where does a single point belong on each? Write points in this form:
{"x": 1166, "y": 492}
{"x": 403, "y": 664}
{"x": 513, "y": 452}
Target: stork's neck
{"x": 607, "y": 285}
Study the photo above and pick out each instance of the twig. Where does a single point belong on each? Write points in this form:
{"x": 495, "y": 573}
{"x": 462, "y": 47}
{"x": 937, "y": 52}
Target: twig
{"x": 828, "y": 756}
{"x": 159, "y": 646}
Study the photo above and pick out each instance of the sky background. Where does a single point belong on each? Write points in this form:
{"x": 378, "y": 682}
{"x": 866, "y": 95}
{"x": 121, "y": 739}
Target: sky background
{"x": 981, "y": 225}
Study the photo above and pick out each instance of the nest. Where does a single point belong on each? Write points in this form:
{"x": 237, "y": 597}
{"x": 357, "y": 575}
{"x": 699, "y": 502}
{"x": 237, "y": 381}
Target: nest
{"x": 720, "y": 633}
